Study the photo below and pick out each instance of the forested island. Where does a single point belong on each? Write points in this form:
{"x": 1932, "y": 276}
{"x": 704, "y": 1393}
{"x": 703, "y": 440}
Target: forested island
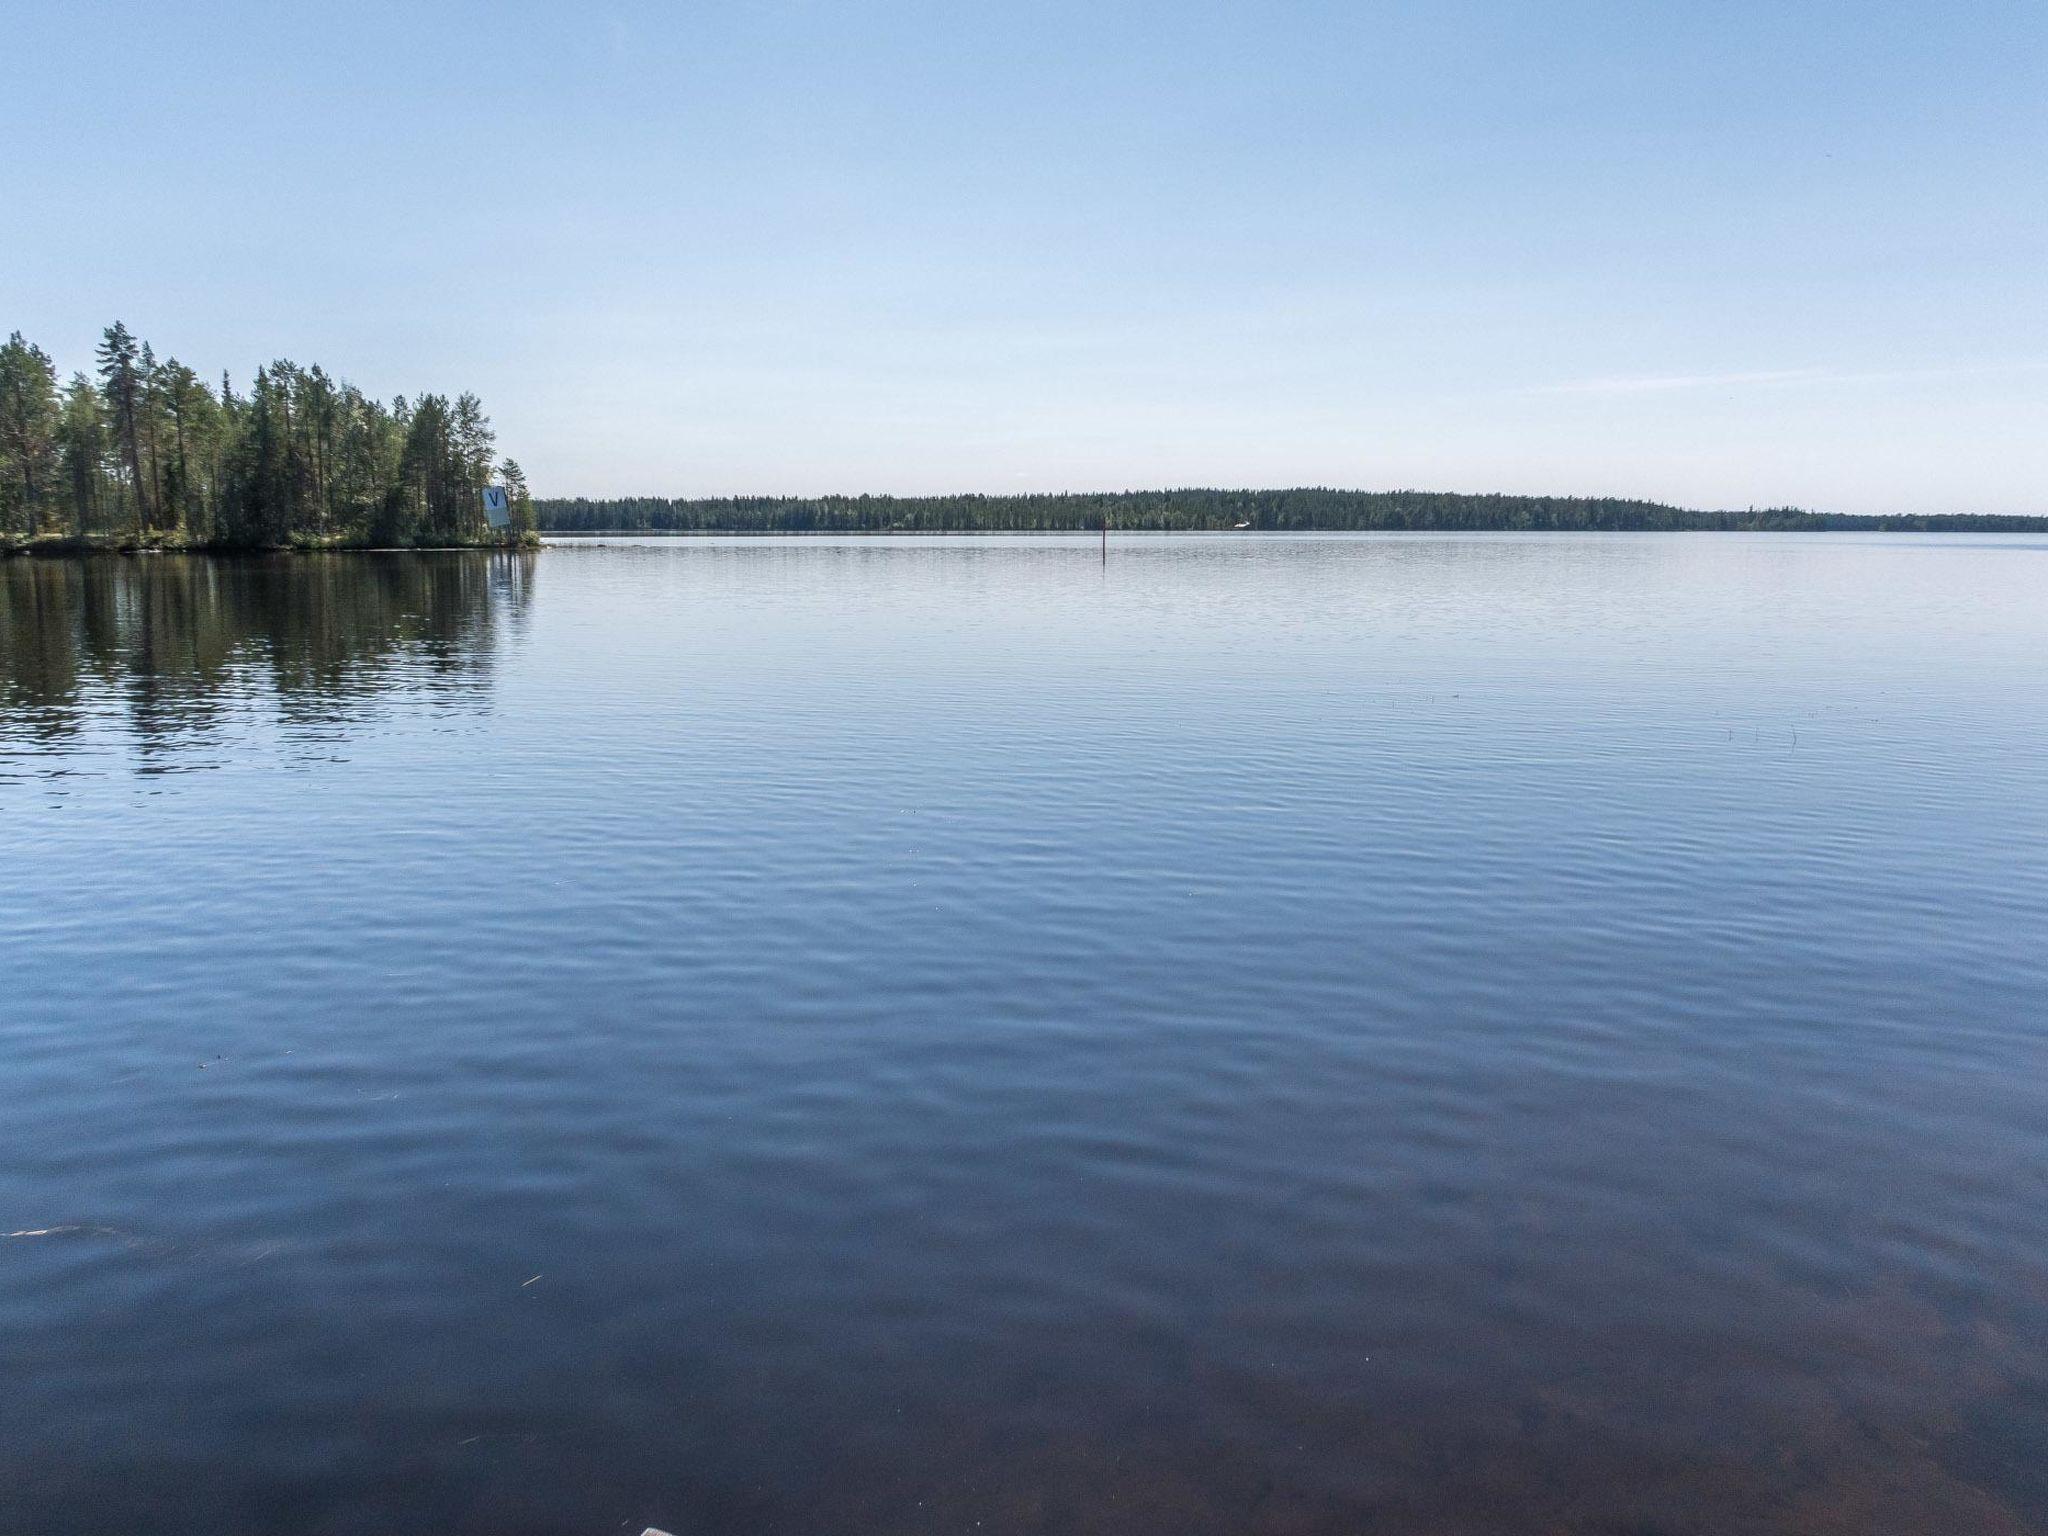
{"x": 1199, "y": 509}
{"x": 145, "y": 454}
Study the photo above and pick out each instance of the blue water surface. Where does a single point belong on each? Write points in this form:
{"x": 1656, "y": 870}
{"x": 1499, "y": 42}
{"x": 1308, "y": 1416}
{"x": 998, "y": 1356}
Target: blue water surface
{"x": 1397, "y": 1034}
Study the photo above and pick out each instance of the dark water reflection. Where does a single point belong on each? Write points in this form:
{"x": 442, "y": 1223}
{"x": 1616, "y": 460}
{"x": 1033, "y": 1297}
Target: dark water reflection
{"x": 156, "y": 658}
{"x": 1409, "y": 1035}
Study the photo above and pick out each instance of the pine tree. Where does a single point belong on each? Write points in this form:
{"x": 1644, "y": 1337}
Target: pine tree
{"x": 152, "y": 404}
{"x": 121, "y": 384}
{"x": 472, "y": 444}
{"x": 28, "y": 432}
{"x": 303, "y": 457}
{"x": 318, "y": 410}
{"x": 82, "y": 449}
{"x": 518, "y": 498}
{"x": 194, "y": 422}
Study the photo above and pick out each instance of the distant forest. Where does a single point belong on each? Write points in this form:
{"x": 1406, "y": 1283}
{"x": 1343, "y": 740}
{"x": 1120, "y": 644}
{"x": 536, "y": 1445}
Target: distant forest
{"x": 1192, "y": 510}
{"x": 146, "y": 452}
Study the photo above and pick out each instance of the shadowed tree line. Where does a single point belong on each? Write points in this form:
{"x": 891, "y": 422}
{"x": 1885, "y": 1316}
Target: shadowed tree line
{"x": 173, "y": 647}
{"x": 1198, "y": 509}
{"x": 145, "y": 451}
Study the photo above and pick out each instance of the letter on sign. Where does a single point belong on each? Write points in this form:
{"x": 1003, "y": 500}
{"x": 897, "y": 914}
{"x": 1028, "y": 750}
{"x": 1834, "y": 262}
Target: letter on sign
{"x": 495, "y": 508}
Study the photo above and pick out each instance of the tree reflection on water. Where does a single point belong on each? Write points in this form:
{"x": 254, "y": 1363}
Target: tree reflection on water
{"x": 159, "y": 654}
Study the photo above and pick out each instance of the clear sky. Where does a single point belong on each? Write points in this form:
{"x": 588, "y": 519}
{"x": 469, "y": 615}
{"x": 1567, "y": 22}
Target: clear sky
{"x": 1752, "y": 251}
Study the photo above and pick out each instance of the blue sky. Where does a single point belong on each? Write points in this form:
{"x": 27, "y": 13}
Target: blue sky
{"x": 1720, "y": 254}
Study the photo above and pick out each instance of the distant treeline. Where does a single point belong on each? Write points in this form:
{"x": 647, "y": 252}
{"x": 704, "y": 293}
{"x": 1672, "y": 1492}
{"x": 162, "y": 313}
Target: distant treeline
{"x": 146, "y": 451}
{"x": 1191, "y": 510}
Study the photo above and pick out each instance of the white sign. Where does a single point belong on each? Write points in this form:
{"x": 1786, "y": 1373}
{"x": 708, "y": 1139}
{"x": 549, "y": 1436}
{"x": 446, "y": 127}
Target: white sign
{"x": 496, "y": 510}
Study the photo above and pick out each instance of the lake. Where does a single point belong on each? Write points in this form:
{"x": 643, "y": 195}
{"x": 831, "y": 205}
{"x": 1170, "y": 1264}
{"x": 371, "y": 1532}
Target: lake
{"x": 1396, "y": 1034}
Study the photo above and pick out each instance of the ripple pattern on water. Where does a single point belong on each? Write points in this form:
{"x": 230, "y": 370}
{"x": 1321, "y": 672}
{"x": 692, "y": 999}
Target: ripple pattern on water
{"x": 1411, "y": 1034}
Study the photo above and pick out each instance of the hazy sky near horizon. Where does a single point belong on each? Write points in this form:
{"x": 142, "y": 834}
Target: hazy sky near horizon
{"x": 1762, "y": 251}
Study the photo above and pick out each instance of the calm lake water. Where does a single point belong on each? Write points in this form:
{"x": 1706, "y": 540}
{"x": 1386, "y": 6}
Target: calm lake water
{"x": 1405, "y": 1035}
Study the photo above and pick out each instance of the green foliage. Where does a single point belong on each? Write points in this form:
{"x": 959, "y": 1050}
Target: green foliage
{"x": 518, "y": 497}
{"x": 29, "y": 414}
{"x": 1198, "y": 509}
{"x": 147, "y": 450}
{"x": 82, "y": 446}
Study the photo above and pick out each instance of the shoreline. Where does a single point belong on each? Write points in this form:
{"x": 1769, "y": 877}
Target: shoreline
{"x": 76, "y": 547}
{"x": 73, "y": 547}
{"x": 1298, "y": 509}
{"x": 571, "y": 535}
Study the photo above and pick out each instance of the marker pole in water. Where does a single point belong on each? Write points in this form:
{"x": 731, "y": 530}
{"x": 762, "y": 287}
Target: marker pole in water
{"x": 1105, "y": 536}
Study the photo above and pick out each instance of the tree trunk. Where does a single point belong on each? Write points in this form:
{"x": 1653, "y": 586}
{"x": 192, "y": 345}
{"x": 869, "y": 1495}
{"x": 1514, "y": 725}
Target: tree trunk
{"x": 135, "y": 476}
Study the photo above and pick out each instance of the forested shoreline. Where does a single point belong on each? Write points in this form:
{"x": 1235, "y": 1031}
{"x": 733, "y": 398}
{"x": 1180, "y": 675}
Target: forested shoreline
{"x": 1195, "y": 510}
{"x": 143, "y": 454}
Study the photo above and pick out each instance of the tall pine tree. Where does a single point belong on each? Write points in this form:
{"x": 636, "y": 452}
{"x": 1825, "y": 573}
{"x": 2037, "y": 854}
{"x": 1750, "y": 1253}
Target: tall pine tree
{"x": 120, "y": 363}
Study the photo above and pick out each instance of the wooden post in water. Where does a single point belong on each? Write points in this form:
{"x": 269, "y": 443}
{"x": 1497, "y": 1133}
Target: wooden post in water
{"x": 1105, "y": 535}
